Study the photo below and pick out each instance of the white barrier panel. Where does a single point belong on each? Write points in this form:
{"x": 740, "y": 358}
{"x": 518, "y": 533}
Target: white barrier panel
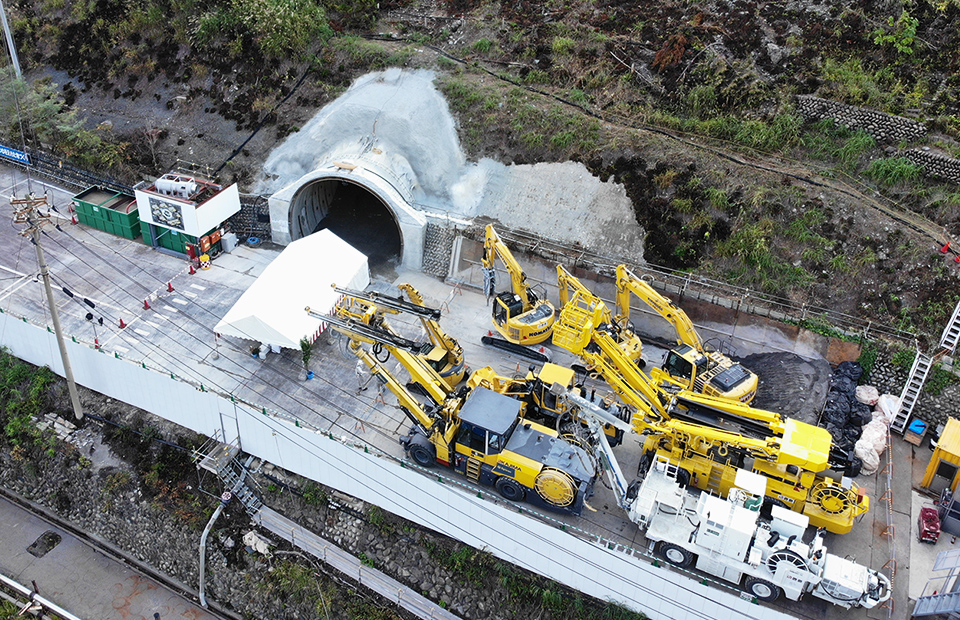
{"x": 590, "y": 568}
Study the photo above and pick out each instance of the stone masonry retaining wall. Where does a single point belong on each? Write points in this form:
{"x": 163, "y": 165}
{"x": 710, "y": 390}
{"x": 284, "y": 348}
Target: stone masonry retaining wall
{"x": 883, "y": 127}
{"x": 934, "y": 164}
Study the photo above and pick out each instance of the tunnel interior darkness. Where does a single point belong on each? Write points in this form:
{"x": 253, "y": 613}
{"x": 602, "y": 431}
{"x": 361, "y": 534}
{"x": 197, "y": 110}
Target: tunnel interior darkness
{"x": 354, "y": 214}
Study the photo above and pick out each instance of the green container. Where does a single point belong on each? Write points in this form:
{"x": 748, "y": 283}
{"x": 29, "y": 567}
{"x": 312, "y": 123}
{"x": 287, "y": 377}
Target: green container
{"x": 128, "y": 232}
{"x": 109, "y": 211}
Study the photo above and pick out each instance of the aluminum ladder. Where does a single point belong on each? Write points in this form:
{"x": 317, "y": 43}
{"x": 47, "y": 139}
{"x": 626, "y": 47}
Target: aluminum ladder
{"x": 911, "y": 391}
{"x": 951, "y": 333}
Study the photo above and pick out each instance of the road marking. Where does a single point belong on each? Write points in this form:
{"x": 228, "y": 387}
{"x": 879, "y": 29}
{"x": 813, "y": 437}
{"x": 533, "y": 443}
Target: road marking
{"x": 121, "y": 349}
{"x": 152, "y": 324}
{"x": 189, "y": 294}
{"x": 198, "y": 287}
{"x": 141, "y": 332}
{"x": 177, "y": 300}
{"x": 16, "y": 286}
{"x": 171, "y": 308}
{"x": 161, "y": 316}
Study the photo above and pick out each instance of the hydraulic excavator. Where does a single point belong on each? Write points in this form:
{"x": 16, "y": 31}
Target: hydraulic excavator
{"x": 478, "y": 432}
{"x": 690, "y": 365}
{"x": 520, "y": 315}
{"x": 444, "y": 354}
{"x": 709, "y": 438}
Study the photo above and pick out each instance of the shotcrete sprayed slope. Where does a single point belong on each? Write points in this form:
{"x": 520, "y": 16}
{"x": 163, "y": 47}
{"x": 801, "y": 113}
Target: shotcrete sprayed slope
{"x": 399, "y": 116}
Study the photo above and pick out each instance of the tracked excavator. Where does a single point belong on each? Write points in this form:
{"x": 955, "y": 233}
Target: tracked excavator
{"x": 691, "y": 365}
{"x": 768, "y": 556}
{"x": 443, "y": 353}
{"x": 709, "y": 438}
{"x": 478, "y": 432}
{"x": 521, "y": 315}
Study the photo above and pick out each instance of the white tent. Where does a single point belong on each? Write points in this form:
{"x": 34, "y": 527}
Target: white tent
{"x": 272, "y": 311}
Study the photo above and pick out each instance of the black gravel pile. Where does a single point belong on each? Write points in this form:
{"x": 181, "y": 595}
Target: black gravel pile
{"x": 844, "y": 417}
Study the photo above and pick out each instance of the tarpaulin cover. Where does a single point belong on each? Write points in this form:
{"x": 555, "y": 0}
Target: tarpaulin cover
{"x": 272, "y": 309}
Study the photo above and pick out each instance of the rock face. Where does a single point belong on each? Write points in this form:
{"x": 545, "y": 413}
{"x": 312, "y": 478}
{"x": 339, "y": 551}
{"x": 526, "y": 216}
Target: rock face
{"x": 883, "y": 127}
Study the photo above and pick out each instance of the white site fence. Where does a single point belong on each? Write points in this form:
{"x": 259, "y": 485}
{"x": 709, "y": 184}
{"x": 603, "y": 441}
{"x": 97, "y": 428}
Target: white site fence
{"x": 436, "y": 503}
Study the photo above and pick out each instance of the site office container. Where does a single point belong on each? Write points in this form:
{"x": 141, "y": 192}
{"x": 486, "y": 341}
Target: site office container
{"x": 109, "y": 211}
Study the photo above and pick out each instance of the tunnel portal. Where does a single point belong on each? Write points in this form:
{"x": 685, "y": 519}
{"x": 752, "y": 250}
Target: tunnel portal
{"x": 353, "y": 213}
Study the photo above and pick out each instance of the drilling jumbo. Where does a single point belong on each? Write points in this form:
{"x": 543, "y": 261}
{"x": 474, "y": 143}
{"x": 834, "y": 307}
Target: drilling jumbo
{"x": 476, "y": 431}
{"x": 730, "y": 538}
{"x": 709, "y": 438}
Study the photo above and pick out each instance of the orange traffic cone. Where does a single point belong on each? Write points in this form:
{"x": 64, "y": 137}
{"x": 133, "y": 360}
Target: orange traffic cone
{"x": 73, "y": 219}
{"x": 192, "y": 270}
{"x": 122, "y": 324}
{"x": 96, "y": 343}
{"x": 146, "y": 304}
{"x": 169, "y": 287}
{"x": 945, "y": 248}
{"x": 956, "y": 258}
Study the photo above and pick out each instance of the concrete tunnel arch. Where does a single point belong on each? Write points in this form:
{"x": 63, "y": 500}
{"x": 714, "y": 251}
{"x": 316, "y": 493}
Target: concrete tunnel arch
{"x": 298, "y": 209}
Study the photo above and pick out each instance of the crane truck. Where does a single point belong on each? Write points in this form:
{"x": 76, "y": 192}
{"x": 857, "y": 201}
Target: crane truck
{"x": 443, "y": 353}
{"x": 709, "y": 438}
{"x": 476, "y": 431}
{"x": 520, "y": 315}
{"x": 728, "y": 538}
{"x": 691, "y": 364}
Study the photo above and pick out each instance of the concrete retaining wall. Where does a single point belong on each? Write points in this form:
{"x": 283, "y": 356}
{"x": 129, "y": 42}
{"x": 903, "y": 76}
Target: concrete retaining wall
{"x": 883, "y": 127}
{"x": 588, "y": 566}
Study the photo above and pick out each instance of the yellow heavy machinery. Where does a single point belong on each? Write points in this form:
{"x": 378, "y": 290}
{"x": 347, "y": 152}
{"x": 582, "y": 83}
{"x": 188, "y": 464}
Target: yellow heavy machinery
{"x": 691, "y": 365}
{"x": 628, "y": 341}
{"x": 536, "y": 390}
{"x": 481, "y": 434}
{"x": 443, "y": 353}
{"x": 520, "y": 315}
{"x": 709, "y": 437}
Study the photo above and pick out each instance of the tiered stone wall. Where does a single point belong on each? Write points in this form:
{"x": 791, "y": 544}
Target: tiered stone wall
{"x": 934, "y": 164}
{"x": 883, "y": 127}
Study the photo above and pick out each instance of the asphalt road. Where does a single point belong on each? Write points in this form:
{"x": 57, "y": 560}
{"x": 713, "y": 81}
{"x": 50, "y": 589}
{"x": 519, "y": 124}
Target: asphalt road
{"x": 81, "y": 579}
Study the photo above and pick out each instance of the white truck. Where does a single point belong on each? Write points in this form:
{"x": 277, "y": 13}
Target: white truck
{"x": 728, "y": 538}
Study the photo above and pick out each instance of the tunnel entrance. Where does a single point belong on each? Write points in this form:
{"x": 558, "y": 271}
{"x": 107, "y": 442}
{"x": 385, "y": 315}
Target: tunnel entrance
{"x": 354, "y": 214}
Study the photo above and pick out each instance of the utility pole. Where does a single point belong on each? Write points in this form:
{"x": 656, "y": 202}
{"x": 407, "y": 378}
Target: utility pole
{"x": 27, "y": 211}
{"x": 10, "y": 45}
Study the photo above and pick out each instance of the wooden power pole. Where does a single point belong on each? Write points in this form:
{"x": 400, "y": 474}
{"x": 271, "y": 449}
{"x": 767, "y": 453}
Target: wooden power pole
{"x": 27, "y": 211}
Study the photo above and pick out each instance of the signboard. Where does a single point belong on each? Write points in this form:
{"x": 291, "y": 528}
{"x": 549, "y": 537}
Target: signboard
{"x": 15, "y": 155}
{"x": 166, "y": 213}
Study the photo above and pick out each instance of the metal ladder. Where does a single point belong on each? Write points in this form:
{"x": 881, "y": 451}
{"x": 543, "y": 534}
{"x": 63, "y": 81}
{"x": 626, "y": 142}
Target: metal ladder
{"x": 911, "y": 391}
{"x": 473, "y": 469}
{"x": 951, "y": 333}
{"x": 220, "y": 459}
{"x": 240, "y": 490}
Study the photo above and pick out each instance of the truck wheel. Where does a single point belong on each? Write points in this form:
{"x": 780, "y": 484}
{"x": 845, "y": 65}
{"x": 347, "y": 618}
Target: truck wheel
{"x": 676, "y": 555}
{"x": 421, "y": 451}
{"x": 510, "y": 489}
{"x": 763, "y": 590}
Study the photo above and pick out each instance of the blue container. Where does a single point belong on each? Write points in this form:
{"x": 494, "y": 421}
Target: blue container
{"x": 917, "y": 426}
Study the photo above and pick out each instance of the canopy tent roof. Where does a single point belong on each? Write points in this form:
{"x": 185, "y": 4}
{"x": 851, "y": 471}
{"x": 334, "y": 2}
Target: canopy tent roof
{"x": 272, "y": 311}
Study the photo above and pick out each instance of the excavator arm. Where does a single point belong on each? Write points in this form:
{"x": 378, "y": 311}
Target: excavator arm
{"x": 493, "y": 247}
{"x": 629, "y": 284}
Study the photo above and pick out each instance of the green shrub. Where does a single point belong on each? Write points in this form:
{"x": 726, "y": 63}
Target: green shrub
{"x": 563, "y": 46}
{"x": 893, "y": 170}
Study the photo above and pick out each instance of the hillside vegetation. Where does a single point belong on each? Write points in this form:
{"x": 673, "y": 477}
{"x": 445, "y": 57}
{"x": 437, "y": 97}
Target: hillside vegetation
{"x": 691, "y": 105}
